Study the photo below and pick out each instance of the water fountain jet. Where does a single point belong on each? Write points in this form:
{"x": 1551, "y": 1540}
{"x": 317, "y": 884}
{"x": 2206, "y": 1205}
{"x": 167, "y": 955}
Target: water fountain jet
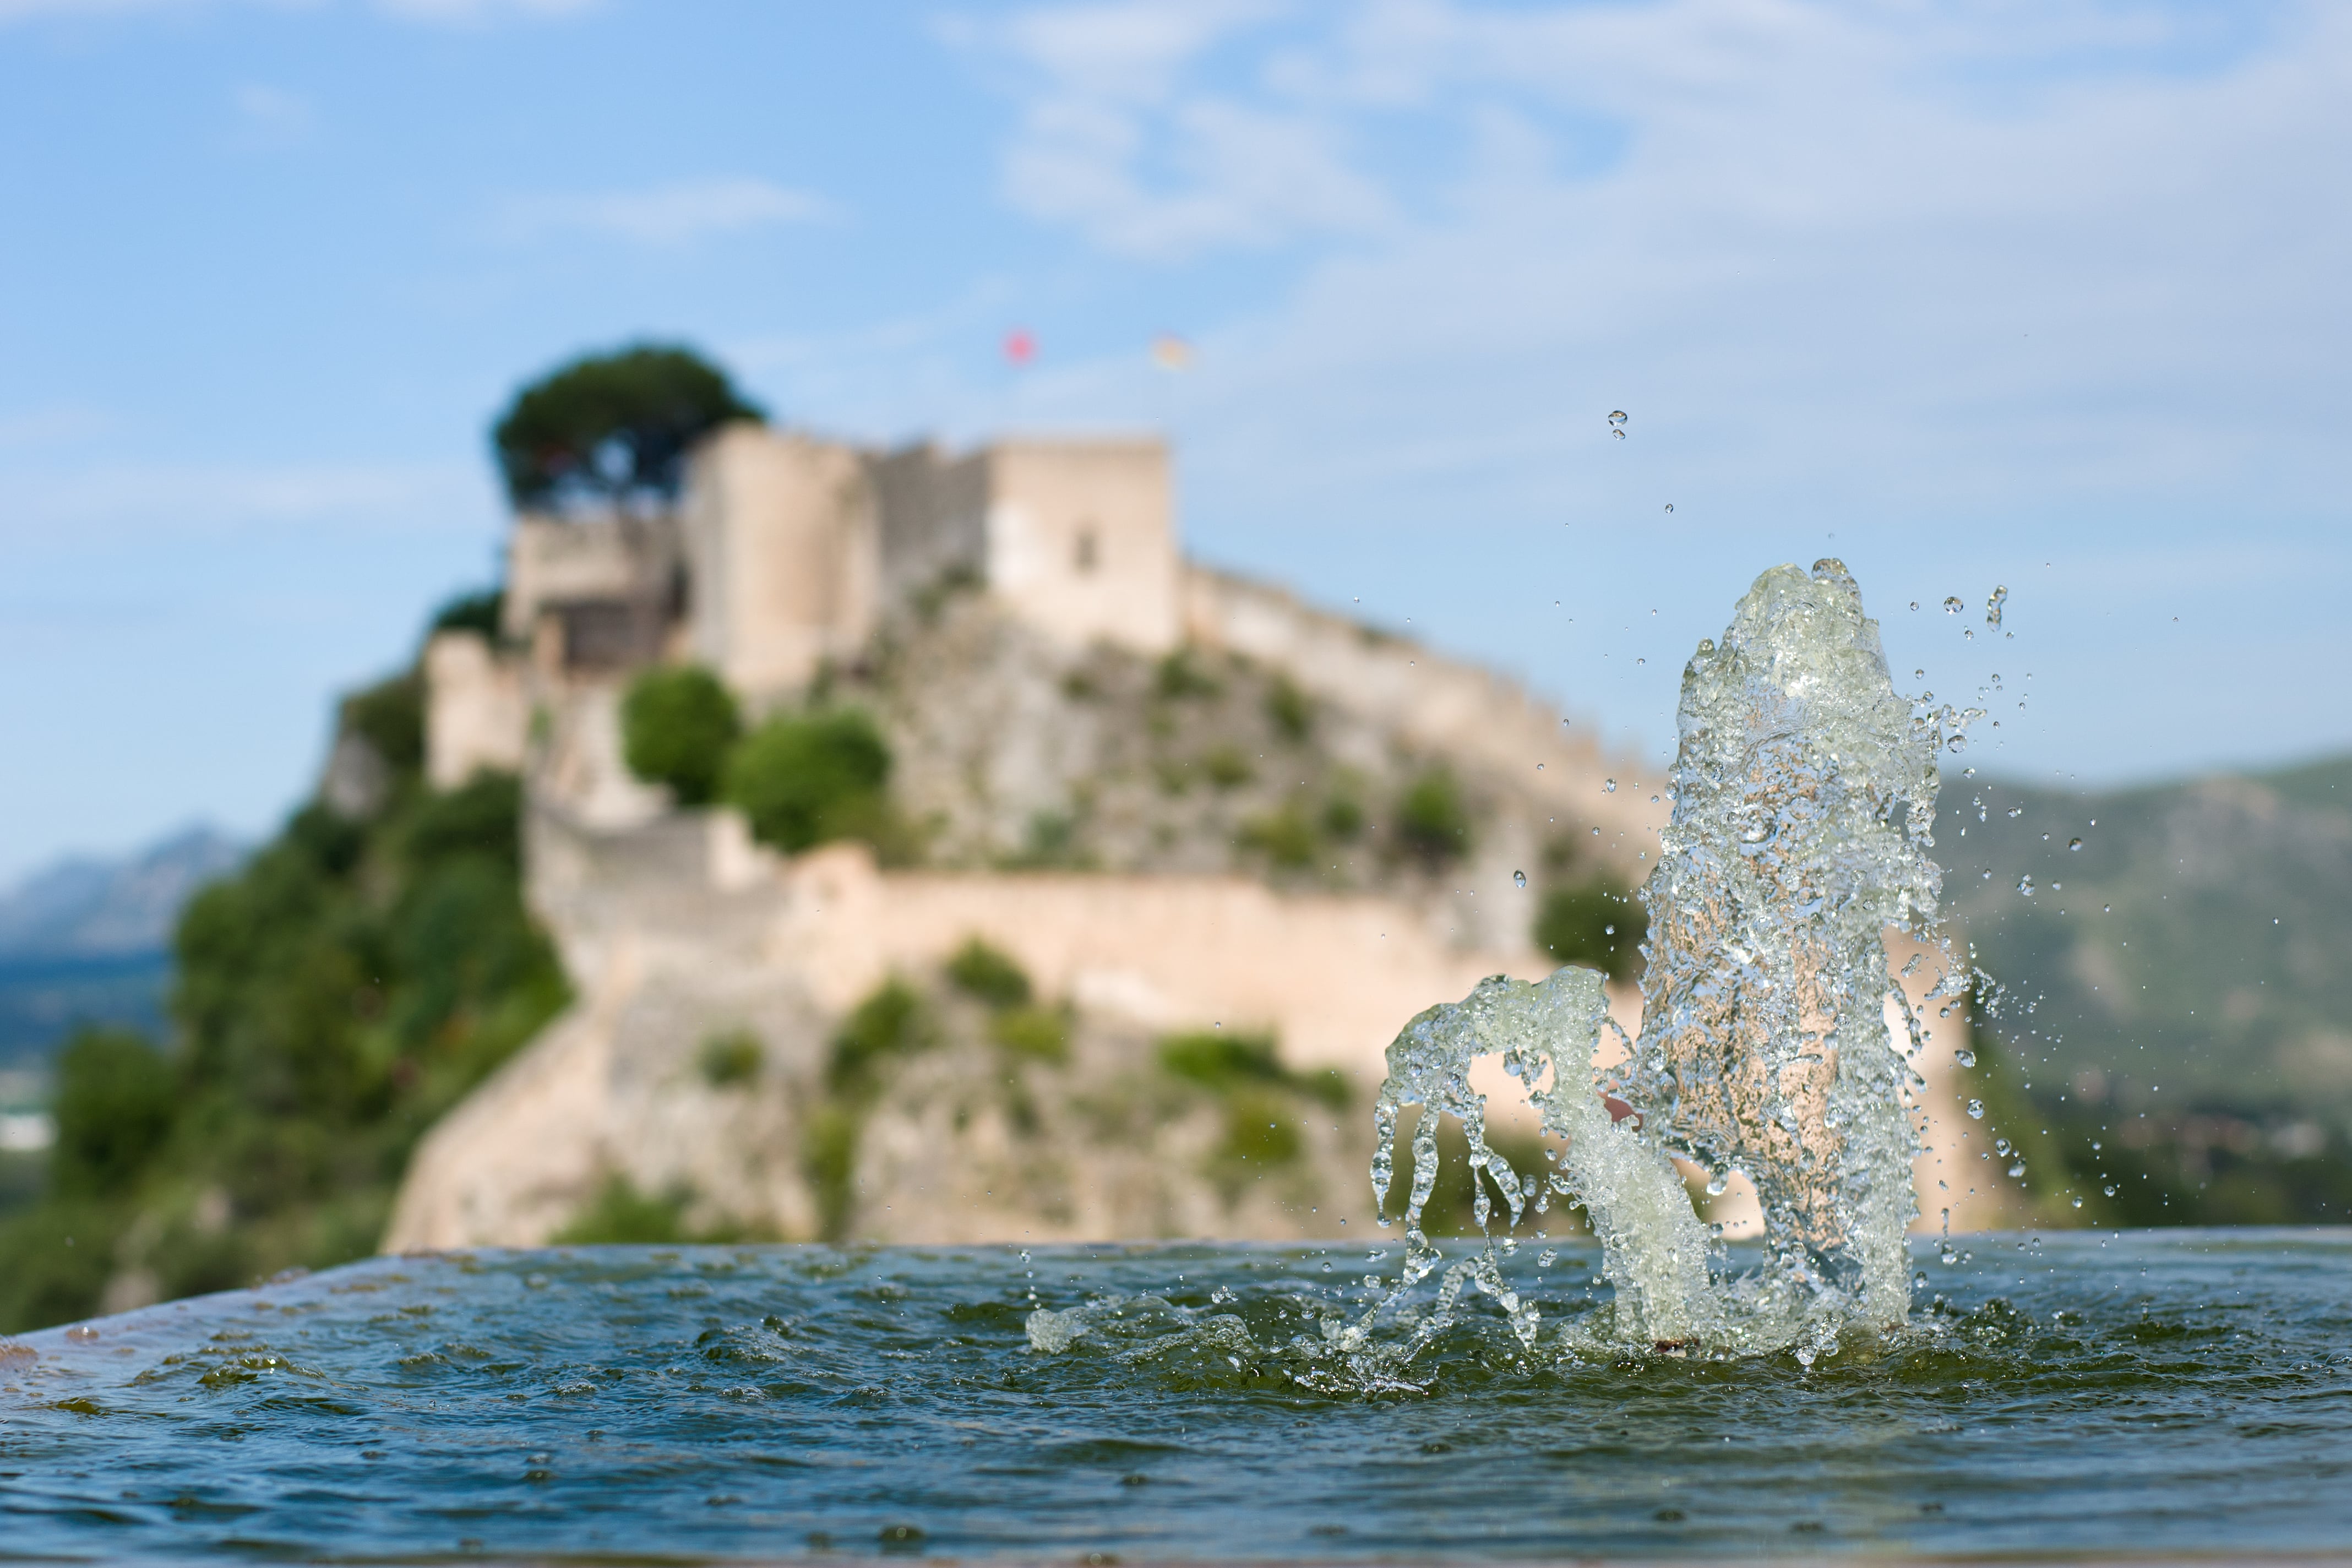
{"x": 1804, "y": 789}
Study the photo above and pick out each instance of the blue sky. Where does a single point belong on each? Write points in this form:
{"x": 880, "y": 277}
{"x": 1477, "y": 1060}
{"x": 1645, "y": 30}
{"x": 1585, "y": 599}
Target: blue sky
{"x": 2041, "y": 294}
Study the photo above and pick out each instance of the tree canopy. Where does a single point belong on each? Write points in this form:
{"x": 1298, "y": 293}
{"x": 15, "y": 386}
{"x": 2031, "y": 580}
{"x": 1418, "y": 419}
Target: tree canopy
{"x": 612, "y": 430}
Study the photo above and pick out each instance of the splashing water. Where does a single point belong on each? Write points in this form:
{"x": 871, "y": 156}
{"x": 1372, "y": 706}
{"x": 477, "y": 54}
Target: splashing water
{"x": 1804, "y": 797}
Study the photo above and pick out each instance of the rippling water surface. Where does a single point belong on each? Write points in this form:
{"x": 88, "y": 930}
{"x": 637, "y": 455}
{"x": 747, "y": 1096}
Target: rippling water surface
{"x": 2178, "y": 1391}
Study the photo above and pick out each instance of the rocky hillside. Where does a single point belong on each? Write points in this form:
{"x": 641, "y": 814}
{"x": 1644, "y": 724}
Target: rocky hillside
{"x": 1015, "y": 752}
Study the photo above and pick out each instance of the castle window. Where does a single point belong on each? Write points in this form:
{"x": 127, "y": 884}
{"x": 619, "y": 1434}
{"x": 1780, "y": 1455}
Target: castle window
{"x": 1086, "y": 555}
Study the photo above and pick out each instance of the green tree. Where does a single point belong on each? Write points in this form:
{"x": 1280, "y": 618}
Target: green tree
{"x": 612, "y": 429}
{"x": 677, "y": 724}
{"x": 1593, "y": 924}
{"x": 805, "y": 780}
{"x": 116, "y": 1097}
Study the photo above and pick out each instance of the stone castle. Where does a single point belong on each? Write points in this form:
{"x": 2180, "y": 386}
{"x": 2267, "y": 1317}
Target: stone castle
{"x": 787, "y": 562}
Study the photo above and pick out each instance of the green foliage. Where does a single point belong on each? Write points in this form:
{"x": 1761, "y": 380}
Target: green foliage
{"x": 677, "y": 724}
{"x": 731, "y": 1058}
{"x": 893, "y": 1022}
{"x": 1226, "y": 1064}
{"x": 1041, "y": 1034}
{"x": 1178, "y": 677}
{"x": 809, "y": 779}
{"x": 989, "y": 974}
{"x": 1593, "y": 924}
{"x": 1226, "y": 766}
{"x": 116, "y": 1098}
{"x": 1289, "y": 709}
{"x": 1260, "y": 1131}
{"x": 333, "y": 997}
{"x": 1343, "y": 816}
{"x": 1433, "y": 821}
{"x": 611, "y": 429}
{"x": 55, "y": 1260}
{"x": 621, "y": 1214}
{"x": 829, "y": 1159}
{"x": 389, "y": 716}
{"x": 482, "y": 613}
{"x": 1286, "y": 837}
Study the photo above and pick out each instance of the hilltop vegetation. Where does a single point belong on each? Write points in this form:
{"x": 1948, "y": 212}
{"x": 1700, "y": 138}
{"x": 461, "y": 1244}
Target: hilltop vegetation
{"x": 348, "y": 984}
{"x": 2176, "y": 989}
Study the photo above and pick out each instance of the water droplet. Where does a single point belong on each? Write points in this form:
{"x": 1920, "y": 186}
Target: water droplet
{"x": 1964, "y": 1057}
{"x": 1914, "y": 604}
{"x": 2018, "y": 1169}
{"x": 2109, "y": 1190}
{"x": 1616, "y": 416}
{"x": 1993, "y": 607}
{"x": 1716, "y": 1187}
{"x": 1608, "y": 786}
{"x": 2025, "y": 886}
{"x": 1976, "y": 1111}
{"x": 2078, "y": 1202}
{"x": 1956, "y": 743}
{"x": 2073, "y": 844}
{"x": 1538, "y": 767}
{"x": 1670, "y": 506}
{"x": 1596, "y": 833}
{"x": 1521, "y": 877}
{"x": 1618, "y": 434}
{"x": 1608, "y": 931}
{"x": 1952, "y": 607}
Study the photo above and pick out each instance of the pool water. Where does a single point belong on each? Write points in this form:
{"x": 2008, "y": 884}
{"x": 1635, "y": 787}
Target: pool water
{"x": 2185, "y": 1393}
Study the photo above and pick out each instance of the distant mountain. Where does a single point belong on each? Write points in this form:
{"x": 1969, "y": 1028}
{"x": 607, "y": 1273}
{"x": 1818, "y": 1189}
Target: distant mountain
{"x": 88, "y": 940}
{"x": 89, "y": 908}
{"x": 2198, "y": 941}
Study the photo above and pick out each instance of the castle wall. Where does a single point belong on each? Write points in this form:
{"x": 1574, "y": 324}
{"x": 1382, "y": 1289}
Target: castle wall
{"x": 782, "y": 542}
{"x": 476, "y": 713}
{"x": 1472, "y": 716}
{"x": 683, "y": 929}
{"x": 1082, "y": 539}
{"x": 933, "y": 512}
{"x": 629, "y": 563}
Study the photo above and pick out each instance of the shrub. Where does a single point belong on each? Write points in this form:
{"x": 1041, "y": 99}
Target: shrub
{"x": 1042, "y": 1033}
{"x": 731, "y": 1058}
{"x": 989, "y": 974}
{"x": 483, "y": 614}
{"x": 389, "y": 717}
{"x": 1286, "y": 837}
{"x": 1289, "y": 709}
{"x": 621, "y": 1214}
{"x": 1227, "y": 1064}
{"x": 891, "y": 1022}
{"x": 677, "y": 725}
{"x": 1226, "y": 767}
{"x": 809, "y": 780}
{"x": 1593, "y": 924}
{"x": 1178, "y": 677}
{"x": 1432, "y": 820}
{"x": 1343, "y": 817}
{"x": 116, "y": 1099}
{"x": 1258, "y": 1131}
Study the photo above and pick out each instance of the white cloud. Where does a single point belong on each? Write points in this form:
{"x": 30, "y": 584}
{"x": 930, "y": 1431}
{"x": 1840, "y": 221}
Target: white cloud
{"x": 1120, "y": 141}
{"x": 672, "y": 214}
{"x": 1927, "y": 258}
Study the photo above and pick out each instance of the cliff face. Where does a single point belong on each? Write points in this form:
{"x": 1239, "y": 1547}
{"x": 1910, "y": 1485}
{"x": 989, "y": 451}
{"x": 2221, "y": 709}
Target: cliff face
{"x": 1225, "y": 879}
